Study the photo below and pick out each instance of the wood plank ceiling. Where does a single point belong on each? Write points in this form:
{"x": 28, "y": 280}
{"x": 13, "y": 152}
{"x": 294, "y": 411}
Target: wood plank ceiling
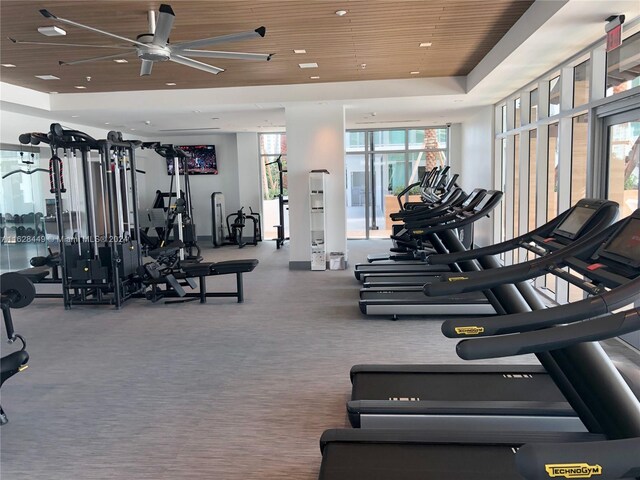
{"x": 384, "y": 35}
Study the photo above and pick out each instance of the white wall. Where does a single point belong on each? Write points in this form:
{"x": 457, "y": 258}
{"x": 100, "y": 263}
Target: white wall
{"x": 455, "y": 148}
{"x": 315, "y": 140}
{"x": 477, "y": 163}
{"x": 202, "y": 186}
{"x": 249, "y": 171}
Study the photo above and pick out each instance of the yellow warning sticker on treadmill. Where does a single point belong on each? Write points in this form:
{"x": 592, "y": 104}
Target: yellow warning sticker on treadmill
{"x": 572, "y": 470}
{"x": 469, "y": 330}
{"x": 455, "y": 279}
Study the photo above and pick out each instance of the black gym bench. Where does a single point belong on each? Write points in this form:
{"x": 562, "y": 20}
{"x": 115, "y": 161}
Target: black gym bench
{"x": 188, "y": 272}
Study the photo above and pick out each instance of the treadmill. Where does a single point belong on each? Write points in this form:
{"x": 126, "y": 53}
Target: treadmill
{"x": 569, "y": 336}
{"x": 410, "y": 300}
{"x": 389, "y": 266}
{"x": 492, "y": 396}
{"x": 566, "y": 227}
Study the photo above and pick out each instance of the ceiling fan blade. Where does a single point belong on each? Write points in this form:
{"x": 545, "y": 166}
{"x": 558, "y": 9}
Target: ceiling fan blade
{"x": 96, "y": 59}
{"x": 45, "y": 13}
{"x": 21, "y": 42}
{"x": 145, "y": 68}
{"x": 258, "y": 32}
{"x": 217, "y": 54}
{"x": 166, "y": 18}
{"x": 196, "y": 64}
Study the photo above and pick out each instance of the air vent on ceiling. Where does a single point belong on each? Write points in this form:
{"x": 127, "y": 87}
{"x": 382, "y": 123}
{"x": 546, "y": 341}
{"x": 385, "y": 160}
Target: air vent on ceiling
{"x": 189, "y": 129}
{"x": 389, "y": 121}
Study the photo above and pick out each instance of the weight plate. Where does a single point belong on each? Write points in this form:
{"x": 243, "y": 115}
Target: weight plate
{"x": 15, "y": 283}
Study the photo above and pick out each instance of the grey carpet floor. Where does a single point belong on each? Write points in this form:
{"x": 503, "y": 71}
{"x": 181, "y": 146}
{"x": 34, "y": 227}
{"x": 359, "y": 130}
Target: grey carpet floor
{"x": 219, "y": 391}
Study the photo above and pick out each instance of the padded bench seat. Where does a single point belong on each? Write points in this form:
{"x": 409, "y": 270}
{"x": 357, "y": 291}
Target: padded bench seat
{"x": 201, "y": 270}
{"x": 35, "y": 274}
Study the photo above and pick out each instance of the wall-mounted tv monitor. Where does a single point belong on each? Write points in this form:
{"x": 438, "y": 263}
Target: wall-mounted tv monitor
{"x": 202, "y": 160}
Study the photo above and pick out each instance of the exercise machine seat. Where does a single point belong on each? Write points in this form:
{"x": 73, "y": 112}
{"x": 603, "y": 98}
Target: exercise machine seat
{"x": 35, "y": 274}
{"x": 235, "y": 266}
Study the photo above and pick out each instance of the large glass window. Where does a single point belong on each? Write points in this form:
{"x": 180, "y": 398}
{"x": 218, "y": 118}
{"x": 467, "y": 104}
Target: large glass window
{"x": 623, "y": 66}
{"x": 554, "y": 96}
{"x": 552, "y": 172}
{"x": 273, "y": 146}
{"x": 533, "y": 144}
{"x": 533, "y": 105}
{"x": 379, "y": 165}
{"x": 25, "y": 208}
{"x": 624, "y": 158}
{"x": 581, "y": 83}
{"x": 580, "y": 131}
{"x": 503, "y": 117}
{"x": 516, "y": 110}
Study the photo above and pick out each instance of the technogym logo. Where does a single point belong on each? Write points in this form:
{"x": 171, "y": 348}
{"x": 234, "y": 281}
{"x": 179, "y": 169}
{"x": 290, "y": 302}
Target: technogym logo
{"x": 572, "y": 470}
{"x": 471, "y": 330}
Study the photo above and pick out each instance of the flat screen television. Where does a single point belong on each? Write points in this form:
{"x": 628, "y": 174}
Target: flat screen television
{"x": 202, "y": 160}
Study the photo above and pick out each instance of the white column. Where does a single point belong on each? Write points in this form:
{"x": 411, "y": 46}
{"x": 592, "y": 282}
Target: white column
{"x": 315, "y": 140}
{"x": 249, "y": 172}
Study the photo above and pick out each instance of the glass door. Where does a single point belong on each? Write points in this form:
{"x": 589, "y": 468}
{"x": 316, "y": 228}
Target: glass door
{"x": 622, "y": 143}
{"x": 623, "y": 154}
{"x": 379, "y": 164}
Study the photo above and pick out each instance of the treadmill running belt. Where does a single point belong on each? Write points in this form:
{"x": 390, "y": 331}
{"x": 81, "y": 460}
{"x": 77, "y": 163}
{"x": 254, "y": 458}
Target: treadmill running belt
{"x": 360, "y": 461}
{"x": 418, "y": 297}
{"x": 442, "y": 386}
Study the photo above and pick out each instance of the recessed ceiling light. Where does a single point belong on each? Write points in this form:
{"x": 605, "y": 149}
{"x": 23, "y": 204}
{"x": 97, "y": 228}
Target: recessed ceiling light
{"x": 314, "y": 77}
{"x": 47, "y": 77}
{"x": 308, "y": 65}
{"x": 414, "y": 73}
{"x": 8, "y": 65}
{"x": 302, "y": 50}
{"x": 52, "y": 31}
{"x": 132, "y": 129}
{"x": 363, "y": 66}
{"x": 80, "y": 87}
{"x": 121, "y": 60}
{"x": 426, "y": 44}
{"x": 196, "y": 111}
{"x": 170, "y": 84}
{"x": 341, "y": 13}
{"x": 75, "y": 116}
{"x": 107, "y": 123}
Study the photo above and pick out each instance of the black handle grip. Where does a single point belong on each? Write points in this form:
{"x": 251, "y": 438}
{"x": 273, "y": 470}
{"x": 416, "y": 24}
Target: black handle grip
{"x": 548, "y": 339}
{"x": 610, "y": 459}
{"x": 524, "y": 322}
{"x": 456, "y": 283}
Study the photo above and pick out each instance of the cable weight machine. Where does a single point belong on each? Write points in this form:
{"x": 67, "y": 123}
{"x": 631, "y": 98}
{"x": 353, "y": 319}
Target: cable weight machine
{"x": 101, "y": 253}
{"x": 282, "y": 203}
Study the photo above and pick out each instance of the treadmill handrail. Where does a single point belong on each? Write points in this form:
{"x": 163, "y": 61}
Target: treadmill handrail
{"x": 453, "y": 199}
{"x": 452, "y": 284}
{"x": 445, "y": 216}
{"x": 594, "y": 329}
{"x": 405, "y": 191}
{"x": 542, "y": 231}
{"x": 523, "y": 322}
{"x": 470, "y": 218}
{"x": 609, "y": 459}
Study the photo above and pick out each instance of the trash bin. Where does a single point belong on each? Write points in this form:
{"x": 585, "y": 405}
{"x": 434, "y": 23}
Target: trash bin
{"x": 336, "y": 261}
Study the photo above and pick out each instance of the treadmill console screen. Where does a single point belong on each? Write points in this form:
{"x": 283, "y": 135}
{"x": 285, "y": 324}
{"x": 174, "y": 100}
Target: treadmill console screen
{"x": 626, "y": 243}
{"x": 572, "y": 224}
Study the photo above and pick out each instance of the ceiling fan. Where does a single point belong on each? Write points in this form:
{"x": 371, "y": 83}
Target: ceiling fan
{"x": 155, "y": 47}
